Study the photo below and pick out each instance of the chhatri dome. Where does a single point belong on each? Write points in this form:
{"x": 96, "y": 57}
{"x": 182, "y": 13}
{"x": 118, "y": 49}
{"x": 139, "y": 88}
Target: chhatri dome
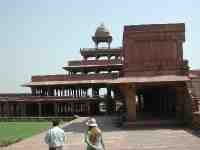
{"x": 102, "y": 34}
{"x": 102, "y": 31}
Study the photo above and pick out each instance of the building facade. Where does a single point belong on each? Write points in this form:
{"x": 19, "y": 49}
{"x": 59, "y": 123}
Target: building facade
{"x": 145, "y": 78}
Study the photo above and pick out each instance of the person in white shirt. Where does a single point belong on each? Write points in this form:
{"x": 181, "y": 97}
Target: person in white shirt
{"x": 55, "y": 137}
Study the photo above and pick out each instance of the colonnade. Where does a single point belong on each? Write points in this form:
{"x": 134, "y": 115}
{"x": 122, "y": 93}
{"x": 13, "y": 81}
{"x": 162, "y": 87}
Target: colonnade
{"x": 107, "y": 57}
{"x": 53, "y": 101}
{"x": 44, "y": 109}
{"x": 75, "y": 92}
{"x": 95, "y": 71}
{"x": 54, "y": 91}
{"x": 11, "y": 109}
{"x": 110, "y": 57}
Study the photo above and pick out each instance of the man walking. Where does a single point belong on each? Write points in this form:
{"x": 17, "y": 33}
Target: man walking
{"x": 55, "y": 137}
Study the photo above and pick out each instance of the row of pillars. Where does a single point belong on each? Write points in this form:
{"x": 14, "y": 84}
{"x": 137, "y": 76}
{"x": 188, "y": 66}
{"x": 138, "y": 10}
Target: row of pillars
{"x": 69, "y": 92}
{"x": 12, "y": 109}
{"x": 109, "y": 57}
{"x": 45, "y": 109}
{"x": 92, "y": 72}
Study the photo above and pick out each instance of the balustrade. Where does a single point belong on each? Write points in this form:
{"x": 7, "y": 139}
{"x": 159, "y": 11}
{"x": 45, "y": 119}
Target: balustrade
{"x": 95, "y": 62}
{"x": 73, "y": 77}
{"x": 96, "y": 50}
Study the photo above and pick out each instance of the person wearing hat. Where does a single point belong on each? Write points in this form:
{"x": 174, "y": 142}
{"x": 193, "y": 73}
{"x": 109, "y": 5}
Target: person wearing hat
{"x": 93, "y": 136}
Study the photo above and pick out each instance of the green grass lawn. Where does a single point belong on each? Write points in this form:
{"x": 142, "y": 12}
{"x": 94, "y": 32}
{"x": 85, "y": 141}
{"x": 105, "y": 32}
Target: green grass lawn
{"x": 11, "y": 132}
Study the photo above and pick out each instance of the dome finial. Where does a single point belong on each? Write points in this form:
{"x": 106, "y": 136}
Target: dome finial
{"x": 102, "y": 34}
{"x": 102, "y": 24}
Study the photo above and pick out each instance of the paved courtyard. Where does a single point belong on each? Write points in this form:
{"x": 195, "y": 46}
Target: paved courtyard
{"x": 119, "y": 139}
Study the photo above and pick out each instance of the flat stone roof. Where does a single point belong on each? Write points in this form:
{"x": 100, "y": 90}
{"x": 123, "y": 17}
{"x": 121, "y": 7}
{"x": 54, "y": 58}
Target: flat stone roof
{"x": 144, "y": 79}
{"x": 150, "y": 79}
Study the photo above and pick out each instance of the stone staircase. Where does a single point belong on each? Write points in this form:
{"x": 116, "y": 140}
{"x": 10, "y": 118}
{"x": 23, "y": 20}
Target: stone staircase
{"x": 195, "y": 104}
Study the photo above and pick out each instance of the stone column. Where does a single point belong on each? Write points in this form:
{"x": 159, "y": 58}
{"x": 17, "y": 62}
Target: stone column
{"x": 129, "y": 92}
{"x": 86, "y": 92}
{"x": 56, "y": 92}
{"x": 77, "y": 92}
{"x": 50, "y": 91}
{"x": 73, "y": 93}
{"x": 55, "y": 109}
{"x": 72, "y": 108}
{"x": 179, "y": 103}
{"x": 69, "y": 92}
{"x": 95, "y": 92}
{"x": 23, "y": 109}
{"x": 110, "y": 101}
{"x": 39, "y": 109}
{"x": 183, "y": 105}
{"x": 88, "y": 108}
{"x": 139, "y": 103}
{"x": 33, "y": 89}
{"x": 3, "y": 109}
{"x": 8, "y": 109}
{"x": 63, "y": 91}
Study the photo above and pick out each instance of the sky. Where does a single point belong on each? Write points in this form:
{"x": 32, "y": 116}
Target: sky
{"x": 38, "y": 37}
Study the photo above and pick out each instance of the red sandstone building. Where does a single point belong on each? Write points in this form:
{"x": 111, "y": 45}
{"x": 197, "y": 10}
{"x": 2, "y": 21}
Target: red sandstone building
{"x": 146, "y": 77}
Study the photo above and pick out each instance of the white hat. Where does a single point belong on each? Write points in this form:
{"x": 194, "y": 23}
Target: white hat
{"x": 91, "y": 122}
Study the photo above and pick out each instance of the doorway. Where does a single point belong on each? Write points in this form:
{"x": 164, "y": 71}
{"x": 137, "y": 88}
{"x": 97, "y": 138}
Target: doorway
{"x": 156, "y": 102}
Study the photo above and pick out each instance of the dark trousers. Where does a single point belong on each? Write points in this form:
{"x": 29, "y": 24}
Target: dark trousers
{"x": 56, "y": 148}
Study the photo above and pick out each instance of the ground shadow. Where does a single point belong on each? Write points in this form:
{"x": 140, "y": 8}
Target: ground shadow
{"x": 78, "y": 127}
{"x": 108, "y": 124}
{"x": 195, "y": 132}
